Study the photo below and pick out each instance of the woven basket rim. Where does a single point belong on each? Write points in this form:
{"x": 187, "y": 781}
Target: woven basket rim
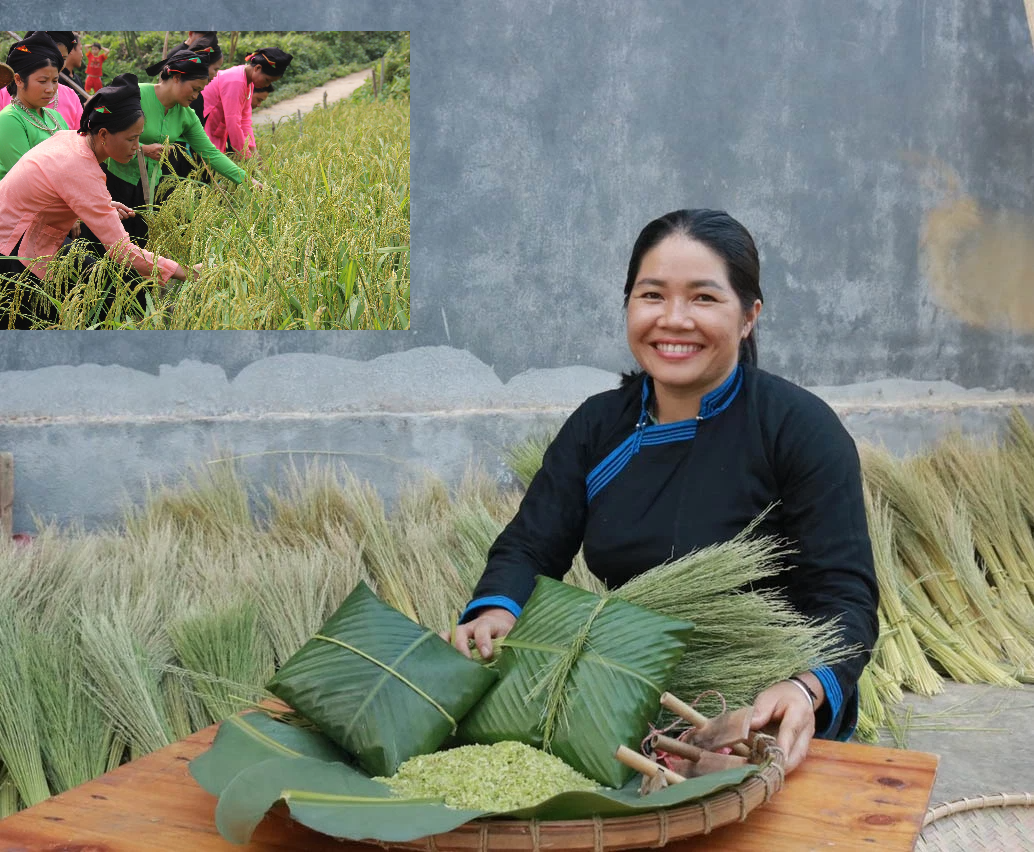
{"x": 652, "y": 828}
{"x": 976, "y": 803}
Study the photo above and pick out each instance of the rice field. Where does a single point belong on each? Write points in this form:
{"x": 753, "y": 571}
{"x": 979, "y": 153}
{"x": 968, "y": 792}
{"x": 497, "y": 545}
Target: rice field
{"x": 323, "y": 245}
{"x": 118, "y": 642}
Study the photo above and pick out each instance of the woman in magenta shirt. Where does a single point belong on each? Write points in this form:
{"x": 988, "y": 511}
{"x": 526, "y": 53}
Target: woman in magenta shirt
{"x": 228, "y": 98}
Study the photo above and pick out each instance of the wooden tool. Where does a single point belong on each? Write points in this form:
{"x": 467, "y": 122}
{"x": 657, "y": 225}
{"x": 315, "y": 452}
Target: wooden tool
{"x": 700, "y": 761}
{"x": 728, "y": 730}
{"x": 639, "y": 763}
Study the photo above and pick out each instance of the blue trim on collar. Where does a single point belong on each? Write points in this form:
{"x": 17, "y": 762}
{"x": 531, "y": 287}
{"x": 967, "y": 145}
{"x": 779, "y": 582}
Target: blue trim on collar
{"x": 652, "y": 434}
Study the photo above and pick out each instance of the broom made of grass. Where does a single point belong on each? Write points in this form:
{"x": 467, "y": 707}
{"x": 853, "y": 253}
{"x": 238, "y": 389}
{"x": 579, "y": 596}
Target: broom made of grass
{"x": 1000, "y": 532}
{"x": 20, "y": 751}
{"x": 925, "y": 523}
{"x": 1020, "y": 461}
{"x": 904, "y": 657}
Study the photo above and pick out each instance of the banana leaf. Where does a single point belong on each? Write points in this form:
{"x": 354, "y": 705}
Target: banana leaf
{"x": 580, "y": 674}
{"x": 338, "y": 800}
{"x": 379, "y": 685}
{"x": 251, "y": 738}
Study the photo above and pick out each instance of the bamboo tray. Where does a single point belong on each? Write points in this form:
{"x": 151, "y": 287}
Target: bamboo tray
{"x": 656, "y": 828}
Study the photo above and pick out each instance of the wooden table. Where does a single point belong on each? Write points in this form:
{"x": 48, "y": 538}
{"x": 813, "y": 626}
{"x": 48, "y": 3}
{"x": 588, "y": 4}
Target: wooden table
{"x": 844, "y": 796}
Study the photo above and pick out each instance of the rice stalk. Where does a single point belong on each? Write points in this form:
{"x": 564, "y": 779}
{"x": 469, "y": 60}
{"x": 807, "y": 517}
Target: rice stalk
{"x": 8, "y": 794}
{"x": 368, "y": 524}
{"x": 742, "y": 642}
{"x": 871, "y": 712}
{"x": 525, "y": 457}
{"x": 307, "y": 507}
{"x": 931, "y": 530}
{"x": 227, "y": 656}
{"x": 211, "y": 500}
{"x": 1019, "y": 459}
{"x": 20, "y": 751}
{"x": 898, "y": 641}
{"x": 1002, "y": 537}
{"x": 125, "y": 681}
{"x": 185, "y": 711}
{"x": 422, "y": 527}
{"x": 75, "y": 737}
{"x": 296, "y": 591}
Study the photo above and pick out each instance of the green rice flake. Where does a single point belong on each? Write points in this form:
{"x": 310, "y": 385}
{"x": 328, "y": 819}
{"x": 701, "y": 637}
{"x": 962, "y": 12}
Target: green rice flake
{"x": 501, "y": 777}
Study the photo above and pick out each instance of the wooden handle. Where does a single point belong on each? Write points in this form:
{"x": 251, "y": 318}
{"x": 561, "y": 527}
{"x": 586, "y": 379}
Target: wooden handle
{"x": 639, "y": 763}
{"x": 695, "y": 717}
{"x": 683, "y": 710}
{"x": 673, "y": 746}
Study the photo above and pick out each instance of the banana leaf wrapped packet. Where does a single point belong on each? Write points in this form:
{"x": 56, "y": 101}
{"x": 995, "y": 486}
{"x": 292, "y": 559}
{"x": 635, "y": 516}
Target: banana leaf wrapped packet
{"x": 579, "y": 675}
{"x": 379, "y": 685}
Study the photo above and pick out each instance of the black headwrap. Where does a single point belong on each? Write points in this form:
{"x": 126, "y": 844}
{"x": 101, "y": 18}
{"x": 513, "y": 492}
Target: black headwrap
{"x": 184, "y": 63}
{"x": 65, "y": 37}
{"x": 116, "y": 106}
{"x": 209, "y": 52}
{"x": 272, "y": 60}
{"x": 32, "y": 53}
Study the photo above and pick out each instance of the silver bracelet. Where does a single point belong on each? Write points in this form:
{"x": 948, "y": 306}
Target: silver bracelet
{"x": 803, "y": 687}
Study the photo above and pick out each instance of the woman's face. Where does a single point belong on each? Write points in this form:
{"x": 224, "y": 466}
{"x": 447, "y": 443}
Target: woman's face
{"x": 186, "y": 91}
{"x": 38, "y": 88}
{"x": 122, "y": 146}
{"x": 261, "y": 79}
{"x": 684, "y": 320}
{"x": 214, "y": 67}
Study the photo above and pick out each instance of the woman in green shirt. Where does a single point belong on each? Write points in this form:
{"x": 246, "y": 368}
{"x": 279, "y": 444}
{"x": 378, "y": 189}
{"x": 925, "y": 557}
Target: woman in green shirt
{"x": 26, "y": 122}
{"x": 167, "y": 115}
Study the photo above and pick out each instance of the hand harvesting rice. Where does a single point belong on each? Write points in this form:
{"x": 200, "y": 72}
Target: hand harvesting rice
{"x": 686, "y": 454}
{"x": 61, "y": 180}
{"x": 167, "y": 115}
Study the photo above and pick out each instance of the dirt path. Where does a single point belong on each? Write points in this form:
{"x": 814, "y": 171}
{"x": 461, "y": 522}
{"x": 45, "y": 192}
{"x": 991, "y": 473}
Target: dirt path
{"x": 336, "y": 90}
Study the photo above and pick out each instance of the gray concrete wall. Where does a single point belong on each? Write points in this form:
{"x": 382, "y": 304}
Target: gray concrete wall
{"x": 880, "y": 151}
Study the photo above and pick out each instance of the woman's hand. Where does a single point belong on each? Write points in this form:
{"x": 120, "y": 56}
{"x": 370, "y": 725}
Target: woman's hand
{"x": 181, "y": 274}
{"x": 785, "y": 703}
{"x": 257, "y": 185}
{"x": 123, "y": 211}
{"x": 493, "y": 623}
{"x": 153, "y": 151}
{"x": 76, "y": 229}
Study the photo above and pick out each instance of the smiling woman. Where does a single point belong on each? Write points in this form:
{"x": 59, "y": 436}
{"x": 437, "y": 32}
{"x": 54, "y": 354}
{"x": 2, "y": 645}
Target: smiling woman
{"x": 688, "y": 453}
{"x": 687, "y": 320}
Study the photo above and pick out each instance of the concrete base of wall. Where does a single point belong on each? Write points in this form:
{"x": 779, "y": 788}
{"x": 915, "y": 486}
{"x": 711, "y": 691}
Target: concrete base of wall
{"x": 88, "y": 439}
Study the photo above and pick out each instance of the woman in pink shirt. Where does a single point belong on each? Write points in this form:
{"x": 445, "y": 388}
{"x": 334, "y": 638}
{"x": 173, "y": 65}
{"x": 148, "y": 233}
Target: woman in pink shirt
{"x": 59, "y": 181}
{"x": 228, "y": 98}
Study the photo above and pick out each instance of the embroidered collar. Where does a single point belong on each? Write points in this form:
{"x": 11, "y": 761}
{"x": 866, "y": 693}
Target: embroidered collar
{"x": 712, "y": 403}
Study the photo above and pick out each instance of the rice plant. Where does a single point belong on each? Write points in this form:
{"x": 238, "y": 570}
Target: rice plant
{"x": 323, "y": 245}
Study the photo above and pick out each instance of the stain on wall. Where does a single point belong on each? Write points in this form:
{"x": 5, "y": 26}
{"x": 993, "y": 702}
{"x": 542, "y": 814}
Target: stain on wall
{"x": 977, "y": 259}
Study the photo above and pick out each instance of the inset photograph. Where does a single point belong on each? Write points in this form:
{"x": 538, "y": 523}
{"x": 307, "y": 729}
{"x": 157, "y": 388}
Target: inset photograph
{"x": 204, "y": 180}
